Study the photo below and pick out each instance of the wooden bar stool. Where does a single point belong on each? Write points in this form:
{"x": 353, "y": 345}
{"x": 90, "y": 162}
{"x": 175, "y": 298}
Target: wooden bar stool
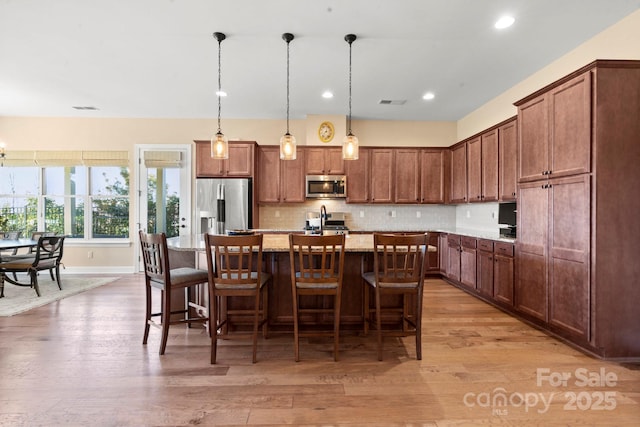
{"x": 317, "y": 264}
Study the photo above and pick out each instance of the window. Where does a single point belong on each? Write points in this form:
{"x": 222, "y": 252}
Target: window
{"x": 84, "y": 202}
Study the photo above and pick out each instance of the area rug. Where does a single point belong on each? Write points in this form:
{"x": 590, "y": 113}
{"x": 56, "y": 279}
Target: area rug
{"x": 18, "y": 299}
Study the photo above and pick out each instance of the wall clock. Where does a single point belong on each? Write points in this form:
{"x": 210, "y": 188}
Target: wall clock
{"x": 326, "y": 131}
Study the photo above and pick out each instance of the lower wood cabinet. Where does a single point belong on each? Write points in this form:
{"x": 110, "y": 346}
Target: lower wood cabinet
{"x": 468, "y": 261}
{"x": 503, "y": 273}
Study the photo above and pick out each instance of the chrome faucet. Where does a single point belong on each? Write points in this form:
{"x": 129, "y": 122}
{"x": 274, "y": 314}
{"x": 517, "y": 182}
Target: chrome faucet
{"x": 323, "y": 217}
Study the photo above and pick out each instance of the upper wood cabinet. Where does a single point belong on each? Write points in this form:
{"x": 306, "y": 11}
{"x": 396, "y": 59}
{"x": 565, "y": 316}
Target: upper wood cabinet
{"x": 407, "y": 175}
{"x": 241, "y": 161}
{"x": 555, "y": 131}
{"x": 508, "y": 157}
{"x": 359, "y": 177}
{"x": 382, "y": 175}
{"x": 482, "y": 167}
{"x": 459, "y": 173}
{"x": 280, "y": 181}
{"x": 324, "y": 161}
{"x": 432, "y": 175}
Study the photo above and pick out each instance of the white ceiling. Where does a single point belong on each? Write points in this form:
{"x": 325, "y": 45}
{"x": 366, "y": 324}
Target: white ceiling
{"x": 157, "y": 58}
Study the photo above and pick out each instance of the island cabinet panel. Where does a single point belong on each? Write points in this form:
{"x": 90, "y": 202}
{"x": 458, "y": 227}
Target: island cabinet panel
{"x": 324, "y": 161}
{"x": 358, "y": 174}
{"x": 459, "y": 173}
{"x": 407, "y": 175}
{"x": 382, "y": 175}
{"x": 432, "y": 175}
{"x": 507, "y": 163}
{"x": 280, "y": 181}
{"x": 240, "y": 164}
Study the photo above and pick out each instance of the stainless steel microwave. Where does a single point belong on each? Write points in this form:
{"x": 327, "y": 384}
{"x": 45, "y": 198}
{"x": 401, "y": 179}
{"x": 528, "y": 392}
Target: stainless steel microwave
{"x": 326, "y": 186}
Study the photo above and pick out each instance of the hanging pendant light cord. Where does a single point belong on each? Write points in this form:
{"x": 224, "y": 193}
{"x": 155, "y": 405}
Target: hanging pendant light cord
{"x": 350, "y": 38}
{"x": 288, "y": 86}
{"x": 219, "y": 82}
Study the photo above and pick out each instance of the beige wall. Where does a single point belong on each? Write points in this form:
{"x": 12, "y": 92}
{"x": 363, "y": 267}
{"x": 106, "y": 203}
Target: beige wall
{"x": 26, "y": 133}
{"x": 620, "y": 41}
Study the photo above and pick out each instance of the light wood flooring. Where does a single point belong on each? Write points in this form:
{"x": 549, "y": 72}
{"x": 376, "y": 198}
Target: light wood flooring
{"x": 81, "y": 362}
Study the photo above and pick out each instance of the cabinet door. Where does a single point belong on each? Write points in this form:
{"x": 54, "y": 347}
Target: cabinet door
{"x": 489, "y": 172}
{"x": 507, "y": 168}
{"x": 207, "y": 167}
{"x": 333, "y": 163}
{"x": 269, "y": 175}
{"x": 484, "y": 282}
{"x": 443, "y": 253}
{"x": 569, "y": 243}
{"x": 453, "y": 261}
{"x": 292, "y": 181}
{"x": 358, "y": 177}
{"x": 531, "y": 250}
{"x": 240, "y": 162}
{"x": 432, "y": 176}
{"x": 433, "y": 258}
{"x": 459, "y": 174}
{"x": 407, "y": 175}
{"x": 503, "y": 279}
{"x": 533, "y": 148}
{"x": 314, "y": 160}
{"x": 382, "y": 175}
{"x": 468, "y": 267}
{"x": 570, "y": 125}
{"x": 474, "y": 170}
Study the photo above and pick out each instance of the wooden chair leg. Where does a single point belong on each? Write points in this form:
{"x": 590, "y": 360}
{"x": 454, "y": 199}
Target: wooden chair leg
{"x": 336, "y": 327}
{"x": 256, "y": 323}
{"x": 419, "y": 326}
{"x": 379, "y": 323}
{"x": 166, "y": 318}
{"x": 265, "y": 312}
{"x": 366, "y": 311}
{"x": 147, "y": 317}
{"x": 296, "y": 347}
{"x": 213, "y": 328}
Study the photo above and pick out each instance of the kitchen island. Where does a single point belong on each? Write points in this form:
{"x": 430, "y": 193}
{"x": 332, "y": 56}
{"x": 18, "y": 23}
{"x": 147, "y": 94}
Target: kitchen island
{"x": 275, "y": 247}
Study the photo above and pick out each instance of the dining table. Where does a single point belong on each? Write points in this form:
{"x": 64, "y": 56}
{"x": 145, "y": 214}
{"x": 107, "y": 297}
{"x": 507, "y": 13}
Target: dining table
{"x": 11, "y": 244}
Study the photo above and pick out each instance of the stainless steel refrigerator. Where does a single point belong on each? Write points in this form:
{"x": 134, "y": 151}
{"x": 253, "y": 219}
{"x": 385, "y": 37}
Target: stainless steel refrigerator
{"x": 223, "y": 204}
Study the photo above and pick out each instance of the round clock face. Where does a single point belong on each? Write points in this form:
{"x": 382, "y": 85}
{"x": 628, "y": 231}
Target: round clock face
{"x": 325, "y": 131}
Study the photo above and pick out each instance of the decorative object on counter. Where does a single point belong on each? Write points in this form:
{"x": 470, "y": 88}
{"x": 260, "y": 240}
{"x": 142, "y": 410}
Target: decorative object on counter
{"x": 219, "y": 143}
{"x": 317, "y": 266}
{"x": 398, "y": 268}
{"x": 234, "y": 265}
{"x": 288, "y": 141}
{"x": 350, "y": 142}
{"x": 159, "y": 274}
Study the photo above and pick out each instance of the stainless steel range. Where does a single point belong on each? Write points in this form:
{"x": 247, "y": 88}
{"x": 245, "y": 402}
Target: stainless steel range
{"x": 334, "y": 223}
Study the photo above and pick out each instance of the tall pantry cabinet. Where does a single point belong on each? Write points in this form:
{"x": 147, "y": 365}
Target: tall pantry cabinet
{"x": 578, "y": 241}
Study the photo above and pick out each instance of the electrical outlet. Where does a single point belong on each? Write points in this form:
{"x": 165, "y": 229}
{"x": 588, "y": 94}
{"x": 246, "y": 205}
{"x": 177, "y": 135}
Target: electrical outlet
{"x": 468, "y": 214}
{"x": 90, "y": 254}
{"x": 418, "y": 214}
{"x": 393, "y": 214}
{"x": 277, "y": 214}
{"x": 361, "y": 214}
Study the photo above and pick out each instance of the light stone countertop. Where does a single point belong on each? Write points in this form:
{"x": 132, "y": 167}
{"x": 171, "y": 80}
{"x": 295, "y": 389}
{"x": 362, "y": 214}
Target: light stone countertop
{"x": 276, "y": 243}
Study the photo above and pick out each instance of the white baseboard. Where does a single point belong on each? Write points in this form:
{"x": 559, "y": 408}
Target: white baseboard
{"x": 103, "y": 269}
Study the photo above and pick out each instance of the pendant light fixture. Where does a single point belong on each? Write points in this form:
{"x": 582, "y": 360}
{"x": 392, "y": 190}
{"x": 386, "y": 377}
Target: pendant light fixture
{"x": 219, "y": 143}
{"x": 288, "y": 141}
{"x": 350, "y": 142}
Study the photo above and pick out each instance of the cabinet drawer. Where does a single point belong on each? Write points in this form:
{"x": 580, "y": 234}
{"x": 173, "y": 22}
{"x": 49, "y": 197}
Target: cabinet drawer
{"x": 468, "y": 242}
{"x": 503, "y": 248}
{"x": 453, "y": 240}
{"x": 485, "y": 245}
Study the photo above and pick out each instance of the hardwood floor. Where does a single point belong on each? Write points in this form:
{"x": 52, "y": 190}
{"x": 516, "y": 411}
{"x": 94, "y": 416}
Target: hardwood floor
{"x": 80, "y": 362}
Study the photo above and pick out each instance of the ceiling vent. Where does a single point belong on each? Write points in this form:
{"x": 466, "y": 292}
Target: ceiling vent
{"x": 80, "y": 107}
{"x": 392, "y": 101}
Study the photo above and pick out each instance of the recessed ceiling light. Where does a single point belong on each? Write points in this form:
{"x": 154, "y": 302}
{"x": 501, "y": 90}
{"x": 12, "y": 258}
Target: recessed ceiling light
{"x": 428, "y": 96}
{"x": 504, "y": 22}
{"x": 221, "y": 93}
{"x": 327, "y": 94}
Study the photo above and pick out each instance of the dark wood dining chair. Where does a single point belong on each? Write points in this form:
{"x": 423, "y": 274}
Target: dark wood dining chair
{"x": 235, "y": 270}
{"x": 48, "y": 256}
{"x": 398, "y": 268}
{"x": 159, "y": 274}
{"x": 317, "y": 265}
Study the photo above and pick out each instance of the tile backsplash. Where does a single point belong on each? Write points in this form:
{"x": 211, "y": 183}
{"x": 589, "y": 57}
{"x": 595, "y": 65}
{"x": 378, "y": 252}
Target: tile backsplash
{"x": 482, "y": 216}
